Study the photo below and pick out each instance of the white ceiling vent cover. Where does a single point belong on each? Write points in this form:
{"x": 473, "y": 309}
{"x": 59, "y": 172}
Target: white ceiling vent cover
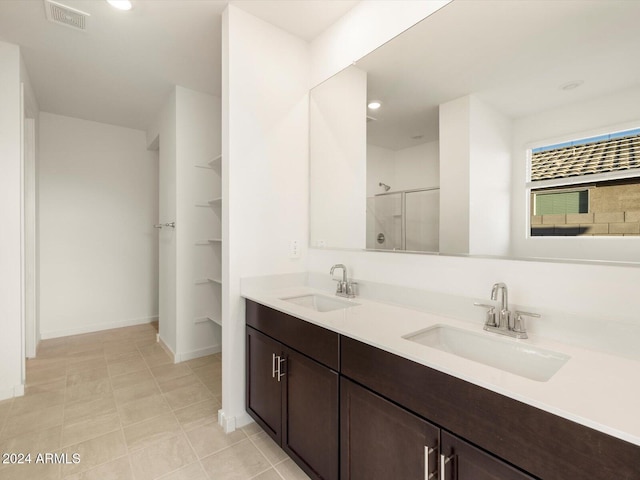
{"x": 67, "y": 16}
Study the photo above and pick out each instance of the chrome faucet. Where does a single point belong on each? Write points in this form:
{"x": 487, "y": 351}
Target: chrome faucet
{"x": 504, "y": 317}
{"x": 505, "y": 322}
{"x": 345, "y": 288}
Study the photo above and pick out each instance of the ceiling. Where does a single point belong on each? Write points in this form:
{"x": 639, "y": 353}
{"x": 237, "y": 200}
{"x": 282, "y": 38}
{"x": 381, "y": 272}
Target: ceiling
{"x": 512, "y": 55}
{"x": 122, "y": 68}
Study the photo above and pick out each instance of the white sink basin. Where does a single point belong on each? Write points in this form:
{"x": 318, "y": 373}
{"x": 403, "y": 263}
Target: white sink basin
{"x": 320, "y": 303}
{"x": 506, "y": 354}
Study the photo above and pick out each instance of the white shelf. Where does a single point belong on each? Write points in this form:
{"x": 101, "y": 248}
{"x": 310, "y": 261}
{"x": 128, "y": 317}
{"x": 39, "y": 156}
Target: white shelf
{"x": 209, "y": 318}
{"x": 212, "y": 164}
{"x": 208, "y": 280}
{"x": 211, "y": 203}
{"x": 209, "y": 241}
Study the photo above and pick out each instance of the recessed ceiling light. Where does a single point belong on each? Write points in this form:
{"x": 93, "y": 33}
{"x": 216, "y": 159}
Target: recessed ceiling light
{"x": 374, "y": 105}
{"x": 120, "y": 4}
{"x": 571, "y": 85}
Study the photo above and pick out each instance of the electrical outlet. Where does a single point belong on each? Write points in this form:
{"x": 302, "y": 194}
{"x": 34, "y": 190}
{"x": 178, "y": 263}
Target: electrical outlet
{"x": 294, "y": 249}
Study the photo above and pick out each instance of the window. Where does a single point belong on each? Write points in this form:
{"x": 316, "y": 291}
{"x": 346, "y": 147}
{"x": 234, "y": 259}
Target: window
{"x": 589, "y": 186}
{"x": 553, "y": 203}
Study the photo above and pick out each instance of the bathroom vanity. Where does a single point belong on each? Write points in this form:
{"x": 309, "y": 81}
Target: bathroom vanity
{"x": 347, "y": 404}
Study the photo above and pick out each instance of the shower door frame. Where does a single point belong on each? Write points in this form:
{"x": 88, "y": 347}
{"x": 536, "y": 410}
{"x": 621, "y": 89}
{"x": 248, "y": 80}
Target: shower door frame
{"x": 403, "y": 209}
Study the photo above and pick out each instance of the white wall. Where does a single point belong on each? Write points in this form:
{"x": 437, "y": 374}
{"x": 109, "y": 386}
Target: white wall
{"x": 455, "y": 140}
{"x": 404, "y": 169}
{"x": 475, "y": 149}
{"x": 380, "y": 168}
{"x": 10, "y": 235}
{"x": 161, "y": 136}
{"x": 198, "y": 118}
{"x": 337, "y": 115}
{"x": 580, "y": 301}
{"x": 489, "y": 180}
{"x": 363, "y": 29}
{"x": 616, "y": 111}
{"x": 417, "y": 167}
{"x": 31, "y": 113}
{"x": 265, "y": 174}
{"x": 98, "y": 249}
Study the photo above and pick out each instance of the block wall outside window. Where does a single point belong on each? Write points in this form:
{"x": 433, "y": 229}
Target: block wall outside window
{"x": 591, "y": 187}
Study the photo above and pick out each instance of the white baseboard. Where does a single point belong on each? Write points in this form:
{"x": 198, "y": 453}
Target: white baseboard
{"x": 97, "y": 327}
{"x": 202, "y": 352}
{"x": 166, "y": 348}
{"x": 17, "y": 391}
{"x": 230, "y": 423}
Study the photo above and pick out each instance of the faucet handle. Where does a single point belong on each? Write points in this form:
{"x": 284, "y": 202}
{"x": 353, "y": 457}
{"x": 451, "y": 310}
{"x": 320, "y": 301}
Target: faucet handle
{"x": 518, "y": 323}
{"x": 491, "y": 314}
{"x": 484, "y": 305}
{"x": 352, "y": 289}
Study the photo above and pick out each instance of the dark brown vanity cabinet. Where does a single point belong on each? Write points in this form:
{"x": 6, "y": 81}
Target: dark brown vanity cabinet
{"x": 264, "y": 390}
{"x": 292, "y": 392}
{"x": 380, "y": 440}
{"x": 460, "y": 460}
{"x": 345, "y": 409}
{"x": 491, "y": 431}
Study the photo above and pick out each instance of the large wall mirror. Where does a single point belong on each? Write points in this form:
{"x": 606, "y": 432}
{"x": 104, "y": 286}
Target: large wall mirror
{"x": 489, "y": 128}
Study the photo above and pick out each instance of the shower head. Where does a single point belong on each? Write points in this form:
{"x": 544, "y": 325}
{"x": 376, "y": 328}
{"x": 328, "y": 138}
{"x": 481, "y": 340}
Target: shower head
{"x": 386, "y": 187}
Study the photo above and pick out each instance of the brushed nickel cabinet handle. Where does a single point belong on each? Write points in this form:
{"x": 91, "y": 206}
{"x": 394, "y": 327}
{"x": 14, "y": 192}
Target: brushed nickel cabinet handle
{"x": 443, "y": 465}
{"x": 273, "y": 365}
{"x": 428, "y": 474}
{"x": 279, "y": 371}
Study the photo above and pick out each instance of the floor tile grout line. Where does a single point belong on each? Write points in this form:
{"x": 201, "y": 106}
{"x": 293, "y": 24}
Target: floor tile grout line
{"x": 124, "y": 437}
{"x": 182, "y": 432}
{"x": 273, "y": 465}
{"x": 64, "y": 353}
{"x": 121, "y": 428}
{"x": 92, "y": 437}
{"x": 264, "y": 471}
{"x": 186, "y": 436}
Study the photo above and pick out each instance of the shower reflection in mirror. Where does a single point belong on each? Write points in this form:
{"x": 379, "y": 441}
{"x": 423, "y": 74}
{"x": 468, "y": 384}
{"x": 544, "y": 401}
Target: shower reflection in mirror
{"x": 406, "y": 220}
{"x": 403, "y": 194}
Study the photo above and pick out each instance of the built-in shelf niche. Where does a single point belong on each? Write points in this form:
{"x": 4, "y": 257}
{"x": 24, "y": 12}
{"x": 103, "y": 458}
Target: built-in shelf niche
{"x": 209, "y": 318}
{"x": 214, "y": 202}
{"x": 209, "y": 241}
{"x": 208, "y": 280}
{"x": 213, "y": 186}
{"x": 213, "y": 164}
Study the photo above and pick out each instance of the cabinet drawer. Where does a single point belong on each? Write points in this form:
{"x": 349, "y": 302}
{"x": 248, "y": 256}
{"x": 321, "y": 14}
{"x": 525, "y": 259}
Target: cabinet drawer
{"x": 539, "y": 442}
{"x": 316, "y": 342}
{"x": 381, "y": 441}
{"x": 462, "y": 461}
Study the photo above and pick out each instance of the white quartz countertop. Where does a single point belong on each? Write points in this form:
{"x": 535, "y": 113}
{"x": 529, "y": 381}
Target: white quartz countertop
{"x": 594, "y": 389}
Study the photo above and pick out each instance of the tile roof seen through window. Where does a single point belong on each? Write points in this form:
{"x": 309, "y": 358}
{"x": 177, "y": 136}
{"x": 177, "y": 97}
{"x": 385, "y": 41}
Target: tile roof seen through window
{"x": 586, "y": 158}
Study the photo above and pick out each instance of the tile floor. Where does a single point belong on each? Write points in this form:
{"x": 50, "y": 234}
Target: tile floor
{"x": 115, "y": 398}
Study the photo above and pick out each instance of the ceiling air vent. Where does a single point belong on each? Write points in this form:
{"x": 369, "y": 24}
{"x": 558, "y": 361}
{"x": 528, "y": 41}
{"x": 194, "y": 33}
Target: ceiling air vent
{"x": 64, "y": 15}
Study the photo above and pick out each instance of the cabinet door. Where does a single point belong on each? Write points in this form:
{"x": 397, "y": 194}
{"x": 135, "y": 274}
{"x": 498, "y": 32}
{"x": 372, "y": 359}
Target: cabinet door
{"x": 310, "y": 413}
{"x": 462, "y": 461}
{"x": 381, "y": 441}
{"x": 264, "y": 398}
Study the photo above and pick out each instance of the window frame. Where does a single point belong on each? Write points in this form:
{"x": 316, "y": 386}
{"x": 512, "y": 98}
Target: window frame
{"x": 579, "y": 182}
{"x": 581, "y": 188}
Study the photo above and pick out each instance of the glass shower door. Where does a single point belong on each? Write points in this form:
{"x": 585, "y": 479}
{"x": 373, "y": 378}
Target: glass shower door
{"x": 384, "y": 222}
{"x": 422, "y": 223}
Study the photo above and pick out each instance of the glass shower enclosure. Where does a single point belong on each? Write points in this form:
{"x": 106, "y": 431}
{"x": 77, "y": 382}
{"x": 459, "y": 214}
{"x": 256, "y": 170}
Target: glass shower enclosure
{"x": 405, "y": 220}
